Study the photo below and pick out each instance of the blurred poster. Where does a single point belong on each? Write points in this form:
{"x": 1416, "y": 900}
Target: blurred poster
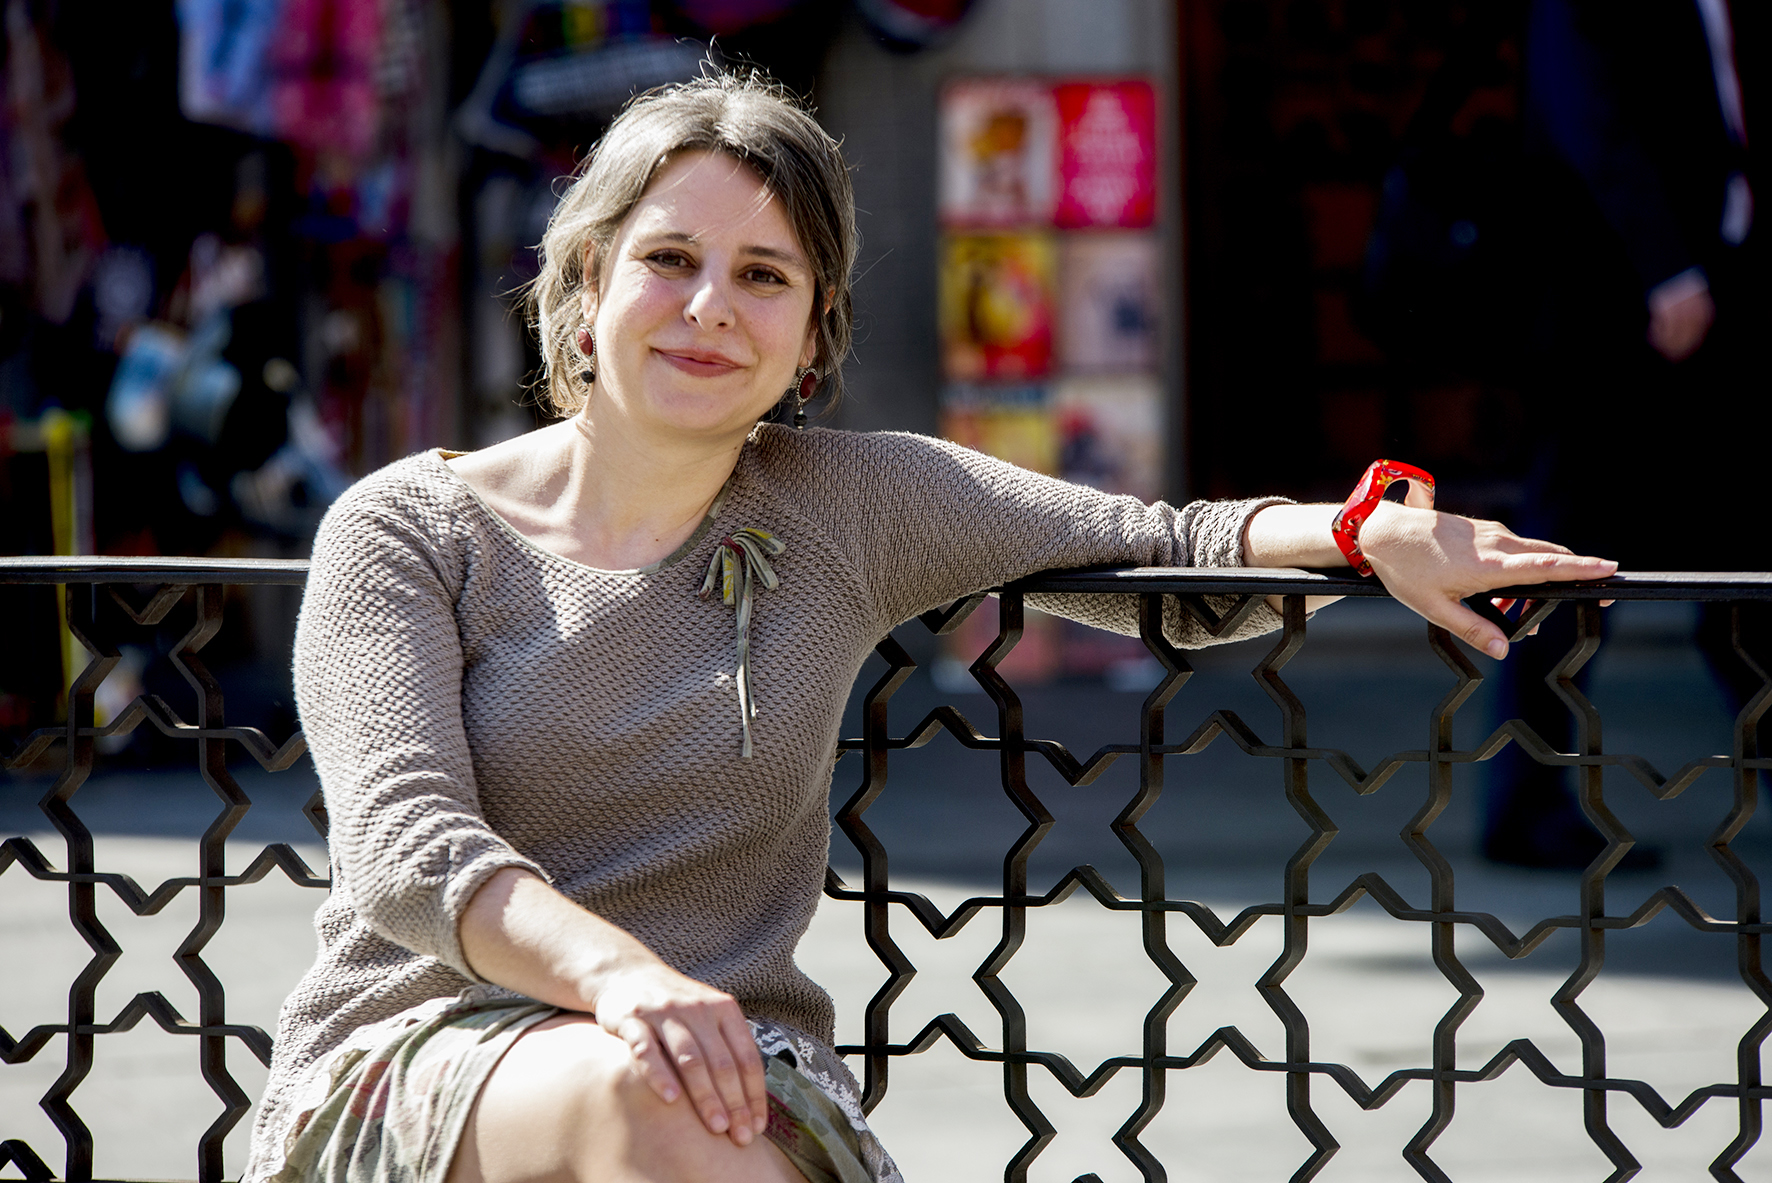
{"x": 996, "y": 310}
{"x": 1108, "y": 303}
{"x": 1110, "y": 433}
{"x": 1012, "y": 423}
{"x": 1107, "y": 154}
{"x": 998, "y": 139}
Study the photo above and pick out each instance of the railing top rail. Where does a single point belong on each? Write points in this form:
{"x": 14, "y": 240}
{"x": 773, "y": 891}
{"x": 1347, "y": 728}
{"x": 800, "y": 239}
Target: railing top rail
{"x": 1268, "y": 581}
{"x": 1289, "y": 581}
{"x": 152, "y": 569}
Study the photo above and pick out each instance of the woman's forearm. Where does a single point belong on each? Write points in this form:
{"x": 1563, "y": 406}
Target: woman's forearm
{"x": 1291, "y": 536}
{"x": 519, "y": 933}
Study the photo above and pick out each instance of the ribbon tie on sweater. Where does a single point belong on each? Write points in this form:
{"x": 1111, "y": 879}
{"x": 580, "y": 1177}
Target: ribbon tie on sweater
{"x": 739, "y": 563}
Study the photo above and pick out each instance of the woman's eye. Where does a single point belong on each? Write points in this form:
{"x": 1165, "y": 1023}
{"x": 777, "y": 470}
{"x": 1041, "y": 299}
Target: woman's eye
{"x": 763, "y": 275}
{"x": 669, "y": 258}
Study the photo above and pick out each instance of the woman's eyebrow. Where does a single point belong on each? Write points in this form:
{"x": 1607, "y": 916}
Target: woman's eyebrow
{"x": 775, "y": 254}
{"x": 769, "y": 252}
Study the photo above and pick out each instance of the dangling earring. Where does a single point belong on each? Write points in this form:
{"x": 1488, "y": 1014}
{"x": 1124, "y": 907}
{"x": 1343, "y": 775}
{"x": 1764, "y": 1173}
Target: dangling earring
{"x": 804, "y": 388}
{"x": 587, "y": 345}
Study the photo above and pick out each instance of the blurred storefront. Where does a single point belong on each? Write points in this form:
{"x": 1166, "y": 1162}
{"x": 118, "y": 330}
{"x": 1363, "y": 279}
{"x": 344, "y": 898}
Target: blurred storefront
{"x": 1354, "y": 262}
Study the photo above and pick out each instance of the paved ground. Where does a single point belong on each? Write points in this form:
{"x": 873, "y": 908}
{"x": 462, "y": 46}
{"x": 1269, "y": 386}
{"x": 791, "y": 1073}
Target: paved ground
{"x": 1669, "y": 999}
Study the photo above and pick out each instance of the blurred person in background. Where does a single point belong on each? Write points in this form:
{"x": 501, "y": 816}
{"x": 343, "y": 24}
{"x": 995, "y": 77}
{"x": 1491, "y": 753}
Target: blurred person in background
{"x": 1653, "y": 328}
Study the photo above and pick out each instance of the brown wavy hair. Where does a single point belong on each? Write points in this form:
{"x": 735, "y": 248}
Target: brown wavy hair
{"x": 746, "y": 116}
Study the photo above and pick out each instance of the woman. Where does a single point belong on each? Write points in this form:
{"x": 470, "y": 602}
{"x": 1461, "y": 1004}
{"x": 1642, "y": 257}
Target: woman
{"x": 579, "y": 813}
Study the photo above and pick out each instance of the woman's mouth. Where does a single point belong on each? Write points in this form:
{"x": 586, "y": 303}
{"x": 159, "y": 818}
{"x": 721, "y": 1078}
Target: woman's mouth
{"x": 701, "y": 363}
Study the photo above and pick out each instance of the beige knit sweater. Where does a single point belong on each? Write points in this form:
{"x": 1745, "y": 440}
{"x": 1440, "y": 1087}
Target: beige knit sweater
{"x": 474, "y": 702}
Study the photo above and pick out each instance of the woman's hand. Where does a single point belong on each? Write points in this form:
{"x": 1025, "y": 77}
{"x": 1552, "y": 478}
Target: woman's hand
{"x": 688, "y": 1037}
{"x": 1431, "y": 561}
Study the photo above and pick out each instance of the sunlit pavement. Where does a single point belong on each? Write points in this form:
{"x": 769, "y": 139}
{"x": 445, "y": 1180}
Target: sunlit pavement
{"x": 1669, "y": 1000}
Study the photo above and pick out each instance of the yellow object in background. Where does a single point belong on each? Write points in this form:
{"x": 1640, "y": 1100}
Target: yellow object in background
{"x": 64, "y": 438}
{"x": 996, "y": 311}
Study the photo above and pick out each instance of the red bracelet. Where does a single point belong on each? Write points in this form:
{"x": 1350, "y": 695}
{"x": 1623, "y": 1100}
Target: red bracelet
{"x": 1366, "y": 496}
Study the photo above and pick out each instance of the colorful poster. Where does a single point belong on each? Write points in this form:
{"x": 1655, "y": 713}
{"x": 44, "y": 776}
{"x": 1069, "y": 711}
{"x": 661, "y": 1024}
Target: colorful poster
{"x": 1109, "y": 306}
{"x": 1107, "y": 154}
{"x": 997, "y": 306}
{"x": 998, "y": 140}
{"x": 1110, "y": 433}
{"x": 1012, "y": 423}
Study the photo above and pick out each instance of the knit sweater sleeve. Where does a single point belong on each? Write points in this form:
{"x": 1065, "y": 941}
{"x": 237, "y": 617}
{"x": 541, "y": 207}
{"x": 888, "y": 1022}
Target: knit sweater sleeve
{"x": 378, "y": 678}
{"x": 938, "y": 521}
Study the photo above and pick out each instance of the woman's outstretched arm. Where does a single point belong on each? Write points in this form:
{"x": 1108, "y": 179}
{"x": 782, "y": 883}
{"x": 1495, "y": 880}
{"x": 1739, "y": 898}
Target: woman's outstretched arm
{"x": 686, "y": 1036}
{"x": 1427, "y": 559}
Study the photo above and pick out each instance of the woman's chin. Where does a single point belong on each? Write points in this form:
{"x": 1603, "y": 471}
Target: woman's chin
{"x": 706, "y": 419}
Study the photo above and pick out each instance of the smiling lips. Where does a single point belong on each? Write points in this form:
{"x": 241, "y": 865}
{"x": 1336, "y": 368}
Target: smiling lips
{"x": 702, "y": 363}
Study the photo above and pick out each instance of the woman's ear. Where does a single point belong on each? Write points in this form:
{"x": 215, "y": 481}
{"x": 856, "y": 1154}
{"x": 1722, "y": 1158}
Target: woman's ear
{"x": 809, "y": 351}
{"x": 587, "y": 291}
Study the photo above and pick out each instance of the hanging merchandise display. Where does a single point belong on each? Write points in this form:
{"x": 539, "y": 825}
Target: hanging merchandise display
{"x": 50, "y": 229}
{"x": 224, "y": 48}
{"x": 561, "y": 63}
{"x": 323, "y": 84}
{"x": 356, "y": 92}
{"x": 1050, "y": 306}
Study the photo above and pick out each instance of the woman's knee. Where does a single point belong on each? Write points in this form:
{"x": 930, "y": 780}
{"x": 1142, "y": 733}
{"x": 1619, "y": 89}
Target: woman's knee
{"x": 530, "y": 1115}
{"x": 565, "y": 1105}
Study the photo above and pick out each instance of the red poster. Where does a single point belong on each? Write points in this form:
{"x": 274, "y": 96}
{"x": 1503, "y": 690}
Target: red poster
{"x": 1107, "y": 154}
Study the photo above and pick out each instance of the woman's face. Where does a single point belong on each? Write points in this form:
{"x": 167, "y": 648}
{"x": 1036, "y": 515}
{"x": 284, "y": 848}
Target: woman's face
{"x": 704, "y": 310}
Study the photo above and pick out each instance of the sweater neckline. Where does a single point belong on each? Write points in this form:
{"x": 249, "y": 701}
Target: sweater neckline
{"x": 443, "y": 455}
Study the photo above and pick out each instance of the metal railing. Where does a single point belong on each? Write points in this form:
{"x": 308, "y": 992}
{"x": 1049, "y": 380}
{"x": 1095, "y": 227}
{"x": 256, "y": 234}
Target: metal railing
{"x": 1220, "y": 600}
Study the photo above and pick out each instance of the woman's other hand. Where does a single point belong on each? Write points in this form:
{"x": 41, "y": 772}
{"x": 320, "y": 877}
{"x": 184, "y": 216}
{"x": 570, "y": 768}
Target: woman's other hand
{"x": 688, "y": 1037}
{"x": 1431, "y": 561}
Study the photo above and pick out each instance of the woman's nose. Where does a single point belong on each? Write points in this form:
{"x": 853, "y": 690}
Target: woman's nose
{"x": 709, "y": 305}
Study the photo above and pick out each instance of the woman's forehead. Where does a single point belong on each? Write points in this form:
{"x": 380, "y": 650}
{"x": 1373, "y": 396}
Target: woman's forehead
{"x": 697, "y": 196}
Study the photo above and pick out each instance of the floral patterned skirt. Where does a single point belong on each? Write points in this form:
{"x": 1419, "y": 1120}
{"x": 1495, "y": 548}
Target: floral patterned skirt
{"x": 389, "y": 1105}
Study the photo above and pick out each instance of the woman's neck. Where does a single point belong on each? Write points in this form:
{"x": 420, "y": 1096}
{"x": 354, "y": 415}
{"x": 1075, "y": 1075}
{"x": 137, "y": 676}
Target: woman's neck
{"x": 641, "y": 496}
{"x": 592, "y": 490}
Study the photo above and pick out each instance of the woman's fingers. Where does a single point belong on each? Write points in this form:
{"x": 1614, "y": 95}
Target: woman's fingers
{"x": 716, "y": 1060}
{"x": 650, "y": 1057}
{"x": 1506, "y": 540}
{"x": 1560, "y": 565}
{"x": 1468, "y": 627}
{"x": 725, "y": 1051}
{"x": 750, "y": 1068}
{"x": 691, "y": 1061}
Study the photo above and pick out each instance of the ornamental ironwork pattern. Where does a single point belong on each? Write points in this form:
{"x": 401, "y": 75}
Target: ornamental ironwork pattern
{"x": 1219, "y": 601}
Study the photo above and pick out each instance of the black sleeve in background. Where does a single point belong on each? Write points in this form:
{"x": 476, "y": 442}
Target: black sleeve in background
{"x": 1571, "y": 104}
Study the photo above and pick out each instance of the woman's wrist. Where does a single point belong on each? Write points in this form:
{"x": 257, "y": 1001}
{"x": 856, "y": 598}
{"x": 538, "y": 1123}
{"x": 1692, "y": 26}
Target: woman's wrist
{"x": 1389, "y": 528}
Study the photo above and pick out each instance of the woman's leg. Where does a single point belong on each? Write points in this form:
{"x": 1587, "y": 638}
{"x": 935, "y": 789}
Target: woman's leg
{"x": 562, "y": 1107}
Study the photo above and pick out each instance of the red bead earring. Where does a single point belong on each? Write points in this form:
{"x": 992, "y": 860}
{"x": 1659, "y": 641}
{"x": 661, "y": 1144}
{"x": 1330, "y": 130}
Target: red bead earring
{"x": 803, "y": 392}
{"x": 587, "y": 345}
